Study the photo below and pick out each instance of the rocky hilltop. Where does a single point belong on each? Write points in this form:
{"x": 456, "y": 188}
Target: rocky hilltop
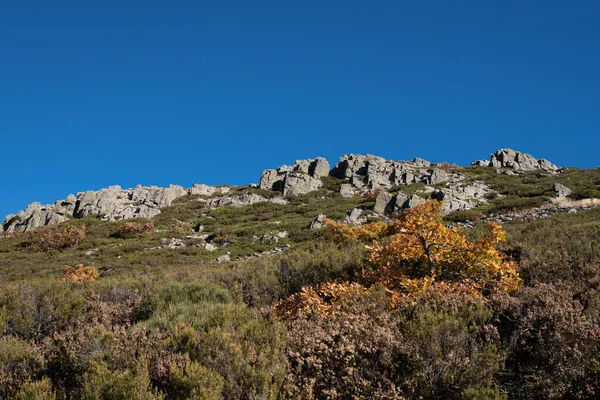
{"x": 359, "y": 174}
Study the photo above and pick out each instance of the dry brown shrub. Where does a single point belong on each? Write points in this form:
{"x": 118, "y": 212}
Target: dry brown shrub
{"x": 80, "y": 273}
{"x": 134, "y": 229}
{"x": 58, "y": 237}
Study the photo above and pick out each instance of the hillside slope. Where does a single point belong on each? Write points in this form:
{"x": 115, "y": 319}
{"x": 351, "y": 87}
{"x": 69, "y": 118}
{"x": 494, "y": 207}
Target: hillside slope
{"x": 182, "y": 306}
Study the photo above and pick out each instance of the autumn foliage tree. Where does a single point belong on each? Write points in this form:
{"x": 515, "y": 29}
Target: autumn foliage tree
{"x": 413, "y": 254}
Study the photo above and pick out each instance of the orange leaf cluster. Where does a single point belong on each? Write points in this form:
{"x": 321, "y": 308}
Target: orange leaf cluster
{"x": 322, "y": 300}
{"x": 340, "y": 232}
{"x": 80, "y": 273}
{"x": 420, "y": 245}
{"x": 414, "y": 254}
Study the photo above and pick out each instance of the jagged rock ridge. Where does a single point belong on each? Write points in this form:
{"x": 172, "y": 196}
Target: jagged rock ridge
{"x": 363, "y": 173}
{"x": 509, "y": 158}
{"x": 112, "y": 203}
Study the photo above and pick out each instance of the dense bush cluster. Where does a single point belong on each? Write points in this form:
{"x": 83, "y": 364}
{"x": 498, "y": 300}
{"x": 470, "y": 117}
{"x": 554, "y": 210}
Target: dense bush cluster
{"x": 134, "y": 229}
{"x": 57, "y": 237}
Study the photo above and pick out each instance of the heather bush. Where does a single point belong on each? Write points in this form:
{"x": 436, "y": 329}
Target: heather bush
{"x": 19, "y": 361}
{"x": 36, "y": 390}
{"x": 36, "y": 310}
{"x": 100, "y": 383}
{"x": 195, "y": 382}
{"x": 243, "y": 347}
{"x": 514, "y": 203}
{"x": 57, "y": 237}
{"x": 552, "y": 347}
{"x": 134, "y": 229}
{"x": 434, "y": 347}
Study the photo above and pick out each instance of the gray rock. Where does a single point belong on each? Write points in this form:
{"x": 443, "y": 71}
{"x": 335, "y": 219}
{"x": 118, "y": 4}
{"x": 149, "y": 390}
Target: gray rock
{"x": 318, "y": 222}
{"x": 270, "y": 178}
{"x": 202, "y": 190}
{"x": 223, "y": 258}
{"x": 561, "y": 190}
{"x": 461, "y": 196}
{"x": 355, "y": 217}
{"x": 509, "y": 158}
{"x": 237, "y": 201}
{"x": 346, "y": 190}
{"x": 319, "y": 168}
{"x": 419, "y": 162}
{"x": 384, "y": 203}
{"x": 367, "y": 173}
{"x": 110, "y": 204}
{"x": 298, "y": 183}
{"x": 302, "y": 177}
{"x": 438, "y": 176}
{"x": 481, "y": 163}
{"x": 413, "y": 201}
{"x": 399, "y": 202}
{"x": 301, "y": 166}
{"x": 278, "y": 200}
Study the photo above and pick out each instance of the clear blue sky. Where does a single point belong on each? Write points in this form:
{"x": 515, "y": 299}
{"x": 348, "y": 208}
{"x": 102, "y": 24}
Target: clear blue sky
{"x": 125, "y": 92}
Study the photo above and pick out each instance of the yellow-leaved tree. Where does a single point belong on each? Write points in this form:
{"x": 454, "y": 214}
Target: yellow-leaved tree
{"x": 415, "y": 253}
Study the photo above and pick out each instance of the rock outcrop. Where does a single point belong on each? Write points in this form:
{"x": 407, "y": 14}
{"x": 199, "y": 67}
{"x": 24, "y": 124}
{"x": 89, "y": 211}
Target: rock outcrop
{"x": 461, "y": 196}
{"x": 243, "y": 200}
{"x": 455, "y": 196}
{"x": 355, "y": 217}
{"x": 561, "y": 190}
{"x": 111, "y": 204}
{"x": 509, "y": 158}
{"x": 302, "y": 177}
{"x": 367, "y": 173}
{"x": 362, "y": 174}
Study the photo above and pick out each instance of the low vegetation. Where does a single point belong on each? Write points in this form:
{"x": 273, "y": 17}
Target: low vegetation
{"x": 405, "y": 309}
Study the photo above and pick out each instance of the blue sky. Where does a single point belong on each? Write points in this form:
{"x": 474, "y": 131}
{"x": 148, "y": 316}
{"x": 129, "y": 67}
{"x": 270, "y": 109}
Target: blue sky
{"x": 149, "y": 92}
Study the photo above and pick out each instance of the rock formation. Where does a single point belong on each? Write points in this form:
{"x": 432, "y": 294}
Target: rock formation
{"x": 362, "y": 174}
{"x": 302, "y": 177}
{"x": 243, "y": 200}
{"x": 561, "y": 190}
{"x": 509, "y": 158}
{"x": 460, "y": 196}
{"x": 111, "y": 204}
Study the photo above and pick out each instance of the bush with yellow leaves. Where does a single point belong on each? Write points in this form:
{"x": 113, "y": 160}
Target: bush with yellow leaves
{"x": 413, "y": 254}
{"x": 80, "y": 273}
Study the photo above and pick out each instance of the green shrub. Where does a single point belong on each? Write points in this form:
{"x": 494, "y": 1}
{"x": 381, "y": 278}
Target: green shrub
{"x": 181, "y": 299}
{"x": 100, "y": 383}
{"x": 20, "y": 361}
{"x": 514, "y": 203}
{"x": 332, "y": 183}
{"x": 195, "y": 382}
{"x": 36, "y": 310}
{"x": 464, "y": 216}
{"x": 37, "y": 390}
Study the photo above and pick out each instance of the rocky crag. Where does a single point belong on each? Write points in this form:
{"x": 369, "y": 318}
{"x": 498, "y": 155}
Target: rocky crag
{"x": 359, "y": 174}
